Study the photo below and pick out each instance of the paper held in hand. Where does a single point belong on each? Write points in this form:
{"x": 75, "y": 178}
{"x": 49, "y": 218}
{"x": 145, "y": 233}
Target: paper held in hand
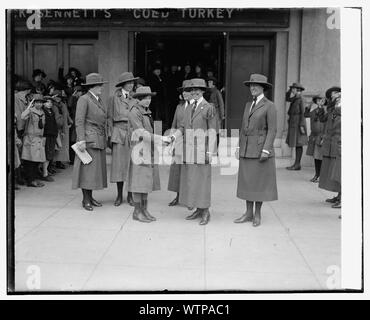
{"x": 83, "y": 155}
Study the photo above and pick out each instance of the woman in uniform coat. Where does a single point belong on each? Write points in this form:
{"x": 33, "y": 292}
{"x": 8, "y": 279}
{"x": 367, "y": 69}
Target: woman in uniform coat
{"x": 118, "y": 134}
{"x": 33, "y": 151}
{"x": 143, "y": 176}
{"x": 297, "y": 131}
{"x": 331, "y": 145}
{"x": 91, "y": 121}
{"x": 175, "y": 169}
{"x": 257, "y": 171}
{"x": 317, "y": 131}
{"x": 196, "y": 172}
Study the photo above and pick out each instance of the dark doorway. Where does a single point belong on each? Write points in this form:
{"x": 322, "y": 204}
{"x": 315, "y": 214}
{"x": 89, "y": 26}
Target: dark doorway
{"x": 176, "y": 49}
{"x": 245, "y": 56}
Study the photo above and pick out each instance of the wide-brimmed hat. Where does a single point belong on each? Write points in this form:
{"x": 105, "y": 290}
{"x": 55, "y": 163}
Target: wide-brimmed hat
{"x": 143, "y": 92}
{"x": 330, "y": 90}
{"x": 36, "y": 72}
{"x": 185, "y": 84}
{"x": 93, "y": 79}
{"x": 38, "y": 97}
{"x": 197, "y": 83}
{"x": 297, "y": 85}
{"x": 260, "y": 79}
{"x": 125, "y": 77}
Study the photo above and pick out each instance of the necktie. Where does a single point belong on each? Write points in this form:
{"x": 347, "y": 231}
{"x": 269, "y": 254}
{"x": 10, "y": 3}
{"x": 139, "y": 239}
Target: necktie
{"x": 193, "y": 108}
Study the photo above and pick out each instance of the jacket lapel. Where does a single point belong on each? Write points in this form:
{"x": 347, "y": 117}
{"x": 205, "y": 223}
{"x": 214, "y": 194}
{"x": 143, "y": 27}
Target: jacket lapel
{"x": 197, "y": 110}
{"x": 256, "y": 107}
{"x": 96, "y": 102}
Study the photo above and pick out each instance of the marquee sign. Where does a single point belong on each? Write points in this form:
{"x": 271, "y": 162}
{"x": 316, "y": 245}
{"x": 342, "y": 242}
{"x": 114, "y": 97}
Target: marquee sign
{"x": 158, "y": 17}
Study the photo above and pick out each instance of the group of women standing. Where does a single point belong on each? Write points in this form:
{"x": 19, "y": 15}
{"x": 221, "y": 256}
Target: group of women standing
{"x": 127, "y": 127}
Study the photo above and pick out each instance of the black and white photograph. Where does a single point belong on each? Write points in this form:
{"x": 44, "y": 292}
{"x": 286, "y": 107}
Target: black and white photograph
{"x": 183, "y": 149}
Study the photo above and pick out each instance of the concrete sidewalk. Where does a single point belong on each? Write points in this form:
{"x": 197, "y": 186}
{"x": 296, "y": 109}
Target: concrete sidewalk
{"x": 300, "y": 237}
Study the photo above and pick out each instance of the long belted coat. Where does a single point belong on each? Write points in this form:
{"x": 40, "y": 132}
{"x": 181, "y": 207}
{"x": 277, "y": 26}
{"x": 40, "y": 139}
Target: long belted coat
{"x": 175, "y": 169}
{"x": 143, "y": 175}
{"x": 33, "y": 139}
{"x": 296, "y": 120}
{"x": 317, "y": 132}
{"x": 118, "y": 131}
{"x": 256, "y": 179}
{"x": 196, "y": 172}
{"x": 91, "y": 121}
{"x": 331, "y": 149}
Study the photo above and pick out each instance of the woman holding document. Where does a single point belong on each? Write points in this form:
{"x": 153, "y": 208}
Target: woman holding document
{"x": 91, "y": 118}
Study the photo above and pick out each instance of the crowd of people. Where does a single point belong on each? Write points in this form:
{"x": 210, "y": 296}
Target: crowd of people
{"x": 44, "y": 125}
{"x": 324, "y": 142}
{"x": 50, "y": 118}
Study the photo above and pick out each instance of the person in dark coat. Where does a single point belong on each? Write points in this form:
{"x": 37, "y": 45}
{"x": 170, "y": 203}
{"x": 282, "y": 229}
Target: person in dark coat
{"x": 196, "y": 172}
{"x": 53, "y": 121}
{"x": 257, "y": 171}
{"x": 317, "y": 131}
{"x": 157, "y": 84}
{"x": 143, "y": 176}
{"x": 118, "y": 132}
{"x": 91, "y": 121}
{"x": 173, "y": 82}
{"x": 215, "y": 97}
{"x": 175, "y": 168}
{"x": 72, "y": 104}
{"x": 331, "y": 145}
{"x": 297, "y": 130}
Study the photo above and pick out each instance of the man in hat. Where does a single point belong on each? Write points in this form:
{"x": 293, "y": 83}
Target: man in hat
{"x": 91, "y": 122}
{"x": 118, "y": 132}
{"x": 199, "y": 130}
{"x": 297, "y": 131}
{"x": 331, "y": 146}
{"x": 215, "y": 97}
{"x": 257, "y": 171}
{"x": 157, "y": 84}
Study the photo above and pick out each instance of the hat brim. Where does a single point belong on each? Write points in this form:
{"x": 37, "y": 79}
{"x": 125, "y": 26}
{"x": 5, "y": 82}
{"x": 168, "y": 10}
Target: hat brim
{"x": 152, "y": 94}
{"x": 93, "y": 83}
{"x": 263, "y": 84}
{"x": 201, "y": 88}
{"x": 128, "y": 80}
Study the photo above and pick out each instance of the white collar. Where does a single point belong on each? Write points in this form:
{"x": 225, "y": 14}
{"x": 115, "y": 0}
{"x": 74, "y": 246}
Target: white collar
{"x": 96, "y": 97}
{"x": 198, "y": 101}
{"x": 259, "y": 98}
{"x": 125, "y": 93}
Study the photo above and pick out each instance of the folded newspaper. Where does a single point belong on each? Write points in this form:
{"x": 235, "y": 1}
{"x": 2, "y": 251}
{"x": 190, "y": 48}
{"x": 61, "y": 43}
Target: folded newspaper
{"x": 83, "y": 155}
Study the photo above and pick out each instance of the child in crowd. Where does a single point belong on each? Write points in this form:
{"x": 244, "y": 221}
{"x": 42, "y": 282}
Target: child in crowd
{"x": 33, "y": 152}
